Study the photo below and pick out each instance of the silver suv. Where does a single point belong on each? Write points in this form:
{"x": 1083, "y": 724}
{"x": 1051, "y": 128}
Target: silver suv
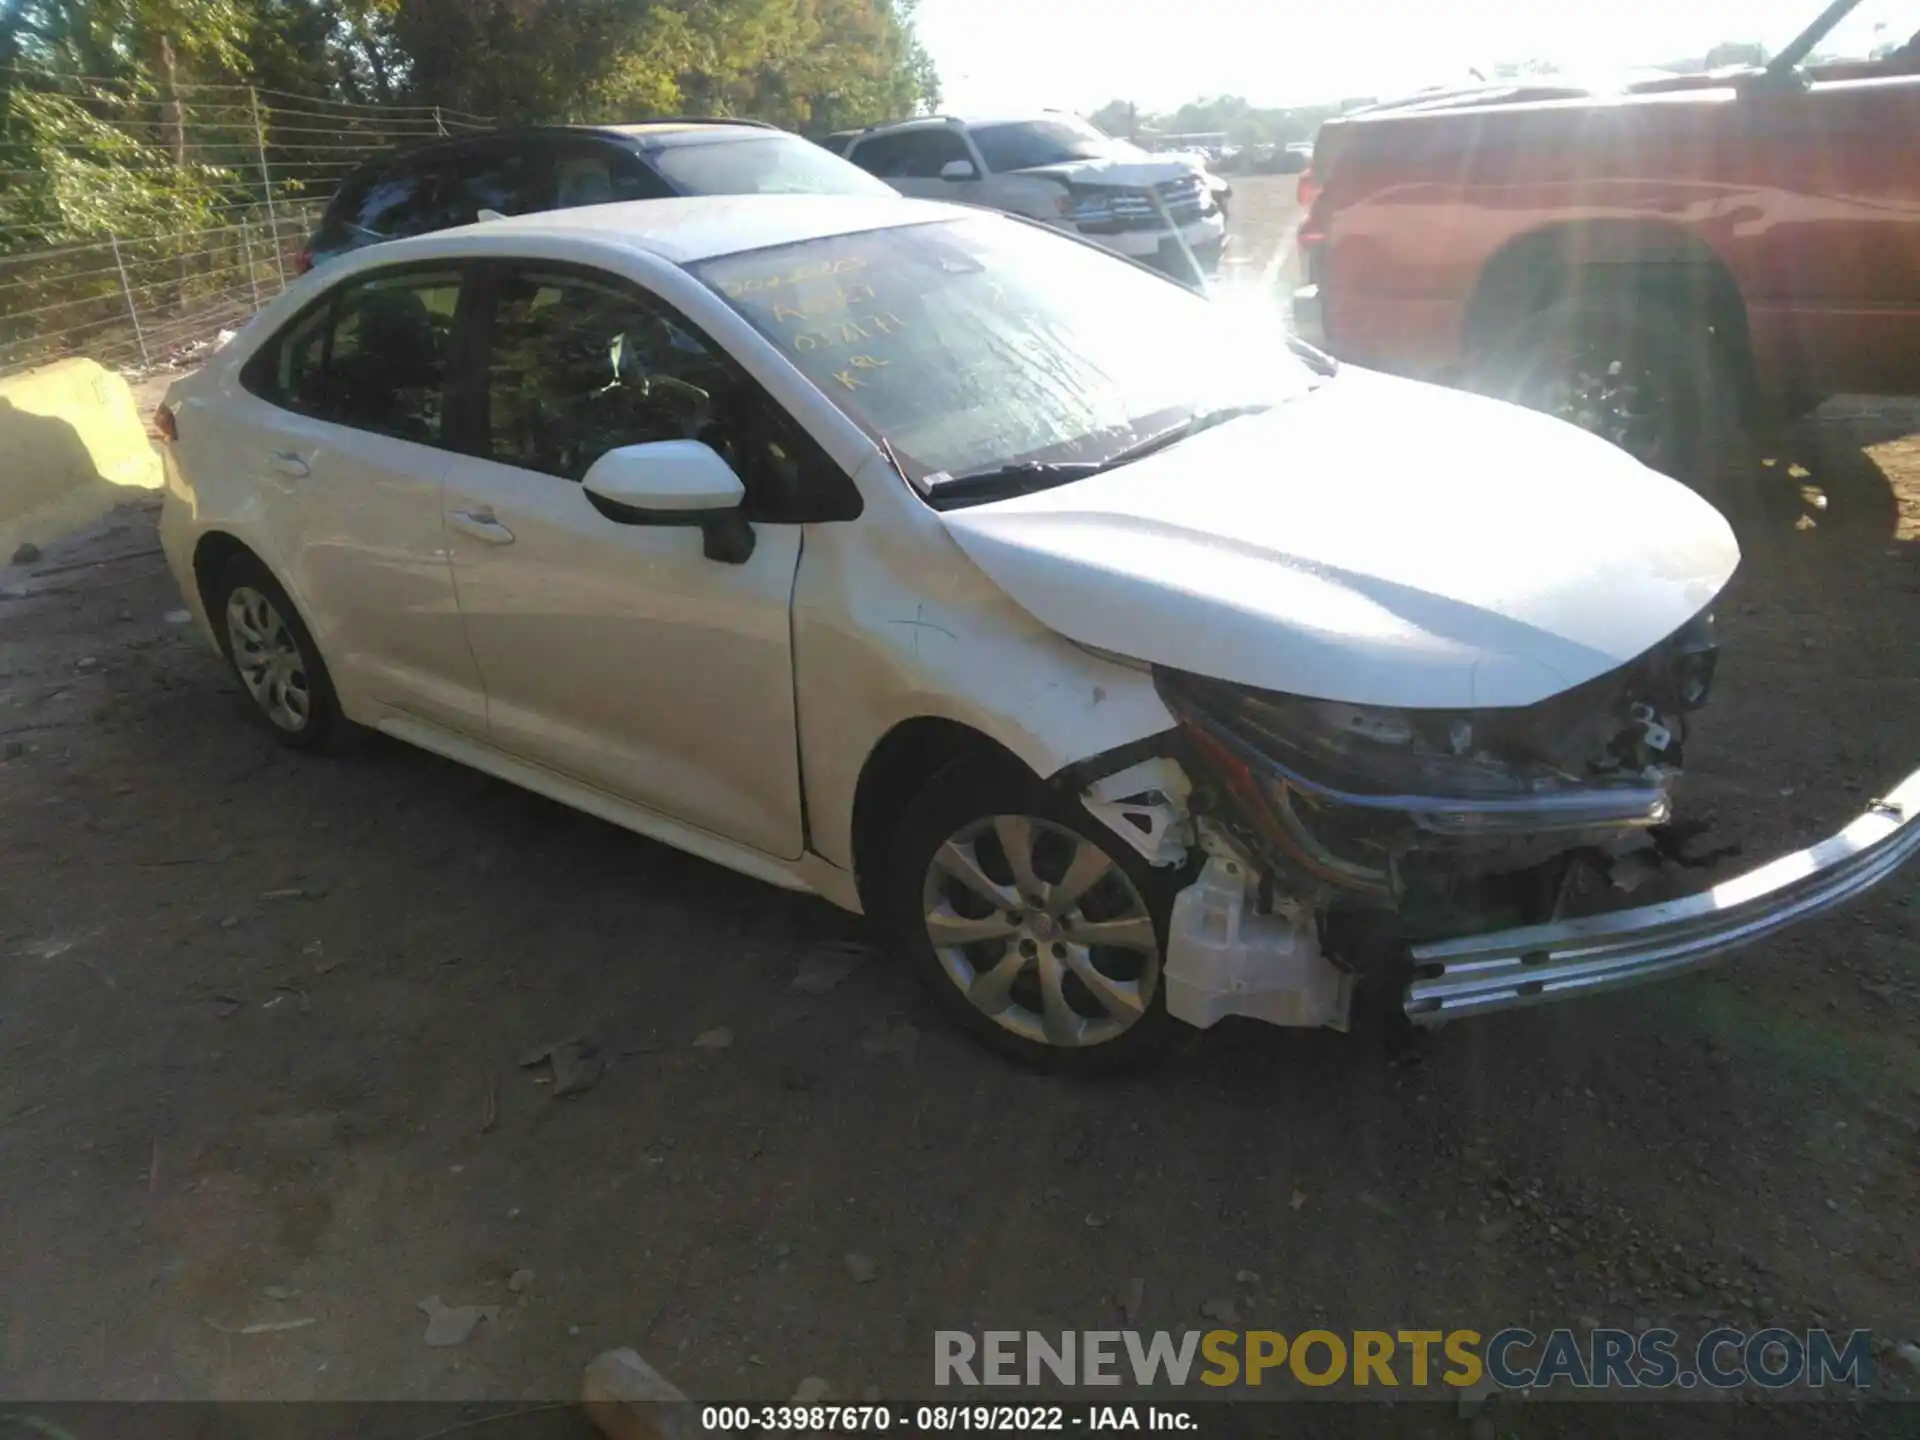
{"x": 1056, "y": 167}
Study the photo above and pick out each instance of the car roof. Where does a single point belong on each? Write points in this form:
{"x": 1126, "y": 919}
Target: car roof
{"x": 686, "y": 229}
{"x": 649, "y": 134}
{"x": 971, "y": 121}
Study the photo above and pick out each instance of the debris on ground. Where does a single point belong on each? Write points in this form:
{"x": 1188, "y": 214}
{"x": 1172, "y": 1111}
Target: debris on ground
{"x": 520, "y": 1281}
{"x": 449, "y": 1325}
{"x": 627, "y": 1399}
{"x": 27, "y": 553}
{"x": 263, "y": 1327}
{"x": 1132, "y": 1299}
{"x": 862, "y": 1269}
{"x": 1225, "y": 1311}
{"x": 279, "y": 1292}
{"x": 577, "y": 1064}
{"x": 718, "y": 1038}
{"x": 811, "y": 1391}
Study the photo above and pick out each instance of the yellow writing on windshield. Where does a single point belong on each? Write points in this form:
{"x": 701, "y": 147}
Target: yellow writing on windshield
{"x": 853, "y": 331}
{"x": 814, "y": 306}
{"x": 803, "y": 275}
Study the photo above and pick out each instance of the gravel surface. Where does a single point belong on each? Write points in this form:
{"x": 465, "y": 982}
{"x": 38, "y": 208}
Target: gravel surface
{"x": 280, "y": 1041}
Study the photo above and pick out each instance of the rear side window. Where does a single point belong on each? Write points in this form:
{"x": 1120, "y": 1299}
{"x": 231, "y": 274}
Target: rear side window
{"x": 510, "y": 182}
{"x": 386, "y": 205}
{"x": 372, "y": 355}
{"x": 911, "y": 155}
{"x": 601, "y": 176}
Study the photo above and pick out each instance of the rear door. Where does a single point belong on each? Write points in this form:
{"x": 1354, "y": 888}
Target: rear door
{"x": 342, "y": 420}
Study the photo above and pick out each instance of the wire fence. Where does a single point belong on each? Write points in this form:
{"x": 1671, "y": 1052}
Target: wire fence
{"x": 245, "y": 174}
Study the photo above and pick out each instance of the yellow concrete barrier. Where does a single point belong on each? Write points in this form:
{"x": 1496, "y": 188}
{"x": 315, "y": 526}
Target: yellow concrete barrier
{"x": 72, "y": 446}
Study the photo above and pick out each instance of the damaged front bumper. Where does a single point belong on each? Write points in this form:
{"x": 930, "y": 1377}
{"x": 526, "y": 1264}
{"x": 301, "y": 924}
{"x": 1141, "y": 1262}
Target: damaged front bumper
{"x": 1538, "y": 964}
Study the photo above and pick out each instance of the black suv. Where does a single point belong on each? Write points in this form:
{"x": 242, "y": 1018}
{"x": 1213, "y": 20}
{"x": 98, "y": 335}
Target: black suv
{"x": 516, "y": 172}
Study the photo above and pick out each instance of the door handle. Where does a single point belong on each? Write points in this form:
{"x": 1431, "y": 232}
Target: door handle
{"x": 481, "y": 525}
{"x": 285, "y": 462}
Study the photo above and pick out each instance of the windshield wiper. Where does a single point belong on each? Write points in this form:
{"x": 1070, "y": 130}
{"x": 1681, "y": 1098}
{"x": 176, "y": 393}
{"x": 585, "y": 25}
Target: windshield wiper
{"x": 1023, "y": 477}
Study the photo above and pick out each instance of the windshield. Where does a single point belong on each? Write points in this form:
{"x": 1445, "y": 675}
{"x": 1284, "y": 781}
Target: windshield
{"x": 1871, "y": 31}
{"x": 1042, "y": 142}
{"x": 766, "y": 163}
{"x": 980, "y": 343}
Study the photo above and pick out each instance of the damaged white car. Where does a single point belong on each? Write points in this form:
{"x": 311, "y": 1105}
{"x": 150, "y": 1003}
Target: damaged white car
{"x": 1132, "y": 666}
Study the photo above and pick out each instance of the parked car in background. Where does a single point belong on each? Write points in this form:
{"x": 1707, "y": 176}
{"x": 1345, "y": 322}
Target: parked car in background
{"x": 1058, "y": 168}
{"x": 515, "y": 172}
{"x": 1129, "y": 664}
{"x": 1662, "y": 262}
{"x": 839, "y": 140}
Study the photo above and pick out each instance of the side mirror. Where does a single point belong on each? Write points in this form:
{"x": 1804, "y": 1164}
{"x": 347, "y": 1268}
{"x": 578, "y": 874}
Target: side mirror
{"x": 959, "y": 170}
{"x": 674, "y": 482}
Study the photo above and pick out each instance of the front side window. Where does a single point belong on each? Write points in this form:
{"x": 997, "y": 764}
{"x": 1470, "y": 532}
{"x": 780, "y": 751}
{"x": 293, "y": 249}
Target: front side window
{"x": 762, "y": 163}
{"x": 372, "y": 356}
{"x": 980, "y": 343}
{"x": 578, "y": 366}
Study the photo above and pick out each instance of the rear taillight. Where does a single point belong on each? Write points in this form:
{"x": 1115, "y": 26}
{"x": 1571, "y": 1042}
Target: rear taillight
{"x": 1309, "y": 188}
{"x": 164, "y": 424}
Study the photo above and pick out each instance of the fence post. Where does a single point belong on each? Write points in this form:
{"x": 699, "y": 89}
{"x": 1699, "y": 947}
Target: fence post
{"x": 246, "y": 248}
{"x": 266, "y": 182}
{"x": 438, "y": 124}
{"x": 126, "y": 293}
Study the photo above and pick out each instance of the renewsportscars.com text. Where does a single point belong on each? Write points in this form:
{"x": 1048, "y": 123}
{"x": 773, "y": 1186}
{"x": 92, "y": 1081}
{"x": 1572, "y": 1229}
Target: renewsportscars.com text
{"x": 1513, "y": 1358}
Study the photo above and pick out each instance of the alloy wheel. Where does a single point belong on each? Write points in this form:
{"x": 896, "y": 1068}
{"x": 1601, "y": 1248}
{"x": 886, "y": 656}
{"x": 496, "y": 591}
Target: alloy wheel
{"x": 1617, "y": 399}
{"x": 267, "y": 659}
{"x": 1042, "y": 930}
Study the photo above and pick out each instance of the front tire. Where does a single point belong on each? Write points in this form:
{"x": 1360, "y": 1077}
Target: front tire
{"x": 1035, "y": 928}
{"x": 273, "y": 656}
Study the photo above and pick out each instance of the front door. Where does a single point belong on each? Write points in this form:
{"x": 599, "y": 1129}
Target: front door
{"x": 619, "y": 654}
{"x": 1839, "y": 243}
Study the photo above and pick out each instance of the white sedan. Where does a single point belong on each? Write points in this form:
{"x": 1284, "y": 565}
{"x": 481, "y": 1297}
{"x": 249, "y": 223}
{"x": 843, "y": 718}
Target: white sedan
{"x": 1130, "y": 664}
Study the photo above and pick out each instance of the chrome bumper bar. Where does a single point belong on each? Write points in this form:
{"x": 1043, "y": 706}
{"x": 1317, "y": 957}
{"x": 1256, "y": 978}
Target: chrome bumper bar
{"x": 1538, "y": 964}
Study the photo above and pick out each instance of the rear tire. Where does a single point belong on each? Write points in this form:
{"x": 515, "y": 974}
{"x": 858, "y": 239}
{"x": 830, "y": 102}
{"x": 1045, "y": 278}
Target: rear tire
{"x": 274, "y": 657}
{"x": 1660, "y": 387}
{"x": 1016, "y": 884}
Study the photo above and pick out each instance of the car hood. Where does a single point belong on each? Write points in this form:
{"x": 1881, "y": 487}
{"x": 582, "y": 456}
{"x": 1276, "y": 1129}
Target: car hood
{"x": 1377, "y": 541}
{"x": 1133, "y": 171}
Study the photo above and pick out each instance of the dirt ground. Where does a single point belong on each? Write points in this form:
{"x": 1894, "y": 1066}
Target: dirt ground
{"x": 261, "y": 1020}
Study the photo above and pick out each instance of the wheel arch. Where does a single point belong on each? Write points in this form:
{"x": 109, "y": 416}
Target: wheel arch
{"x": 1607, "y": 257}
{"x": 211, "y": 554}
{"x": 899, "y": 764}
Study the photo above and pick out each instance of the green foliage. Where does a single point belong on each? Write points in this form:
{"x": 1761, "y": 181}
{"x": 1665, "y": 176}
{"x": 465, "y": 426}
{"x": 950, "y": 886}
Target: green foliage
{"x": 76, "y": 174}
{"x": 813, "y": 64}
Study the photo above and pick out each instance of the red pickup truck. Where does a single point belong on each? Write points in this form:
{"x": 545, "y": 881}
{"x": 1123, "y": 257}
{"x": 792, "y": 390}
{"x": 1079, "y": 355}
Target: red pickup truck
{"x": 1659, "y": 262}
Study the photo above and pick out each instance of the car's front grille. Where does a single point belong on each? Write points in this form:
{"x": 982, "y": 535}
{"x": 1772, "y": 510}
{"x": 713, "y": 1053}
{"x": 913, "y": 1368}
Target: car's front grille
{"x": 1185, "y": 201}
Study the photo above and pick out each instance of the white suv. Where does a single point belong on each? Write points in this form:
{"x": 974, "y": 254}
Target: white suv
{"x": 1058, "y": 168}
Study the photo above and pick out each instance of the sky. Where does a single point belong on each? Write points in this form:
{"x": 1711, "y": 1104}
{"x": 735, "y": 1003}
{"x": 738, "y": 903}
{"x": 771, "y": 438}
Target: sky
{"x": 1078, "y": 54}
